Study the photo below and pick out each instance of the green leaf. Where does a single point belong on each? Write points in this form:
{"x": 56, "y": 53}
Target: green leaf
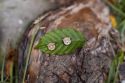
{"x": 63, "y": 41}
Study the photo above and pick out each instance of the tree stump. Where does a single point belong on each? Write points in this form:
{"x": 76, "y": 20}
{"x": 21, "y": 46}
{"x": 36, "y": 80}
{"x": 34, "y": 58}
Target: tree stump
{"x": 87, "y": 65}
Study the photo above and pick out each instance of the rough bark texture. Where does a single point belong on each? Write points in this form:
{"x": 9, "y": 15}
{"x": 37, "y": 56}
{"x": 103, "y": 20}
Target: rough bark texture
{"x": 122, "y": 72}
{"x": 87, "y": 65}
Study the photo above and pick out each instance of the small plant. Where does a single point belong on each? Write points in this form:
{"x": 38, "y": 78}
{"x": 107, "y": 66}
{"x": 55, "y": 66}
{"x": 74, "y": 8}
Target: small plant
{"x": 113, "y": 72}
{"x": 118, "y": 10}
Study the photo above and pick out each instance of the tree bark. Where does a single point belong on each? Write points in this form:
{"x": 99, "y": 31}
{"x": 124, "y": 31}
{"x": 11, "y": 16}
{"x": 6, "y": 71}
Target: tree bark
{"x": 89, "y": 64}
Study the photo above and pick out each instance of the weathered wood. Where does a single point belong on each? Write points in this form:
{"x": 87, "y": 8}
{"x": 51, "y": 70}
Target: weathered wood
{"x": 122, "y": 72}
{"x": 87, "y": 65}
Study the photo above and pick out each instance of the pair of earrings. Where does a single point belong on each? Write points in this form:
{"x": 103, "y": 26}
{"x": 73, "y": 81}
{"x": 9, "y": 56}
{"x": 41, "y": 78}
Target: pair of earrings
{"x": 61, "y": 41}
{"x": 66, "y": 41}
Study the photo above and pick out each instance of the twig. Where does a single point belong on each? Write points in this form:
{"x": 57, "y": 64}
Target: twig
{"x": 29, "y": 52}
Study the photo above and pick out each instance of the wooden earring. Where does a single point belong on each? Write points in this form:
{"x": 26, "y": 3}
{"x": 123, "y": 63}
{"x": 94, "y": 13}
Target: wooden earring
{"x": 51, "y": 46}
{"x": 67, "y": 40}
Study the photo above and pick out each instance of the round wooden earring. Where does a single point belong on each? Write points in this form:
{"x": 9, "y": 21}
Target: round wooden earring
{"x": 51, "y": 46}
{"x": 67, "y": 40}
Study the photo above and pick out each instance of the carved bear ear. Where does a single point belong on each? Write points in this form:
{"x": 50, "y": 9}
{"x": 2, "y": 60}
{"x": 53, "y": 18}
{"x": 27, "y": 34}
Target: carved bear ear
{"x": 67, "y": 40}
{"x": 61, "y": 41}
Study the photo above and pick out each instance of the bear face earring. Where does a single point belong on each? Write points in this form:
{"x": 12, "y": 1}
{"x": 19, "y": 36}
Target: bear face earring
{"x": 67, "y": 40}
{"x": 51, "y": 46}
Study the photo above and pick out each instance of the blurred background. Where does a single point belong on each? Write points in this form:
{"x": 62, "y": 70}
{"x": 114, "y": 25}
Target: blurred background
{"x": 16, "y": 15}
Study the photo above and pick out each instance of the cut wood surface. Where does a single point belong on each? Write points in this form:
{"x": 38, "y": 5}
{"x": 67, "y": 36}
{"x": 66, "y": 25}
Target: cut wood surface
{"x": 89, "y": 64}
